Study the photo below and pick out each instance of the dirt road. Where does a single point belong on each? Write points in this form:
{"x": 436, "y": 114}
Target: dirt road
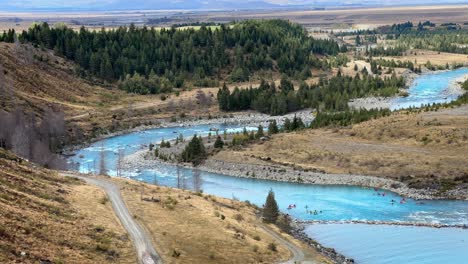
{"x": 298, "y": 254}
{"x": 141, "y": 240}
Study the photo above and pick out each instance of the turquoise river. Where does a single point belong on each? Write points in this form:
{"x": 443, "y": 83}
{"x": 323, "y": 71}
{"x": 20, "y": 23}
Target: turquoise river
{"x": 373, "y": 244}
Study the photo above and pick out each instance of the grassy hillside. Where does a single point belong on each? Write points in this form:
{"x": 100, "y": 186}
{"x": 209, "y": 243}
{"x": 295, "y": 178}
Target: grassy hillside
{"x": 189, "y": 227}
{"x": 39, "y": 220}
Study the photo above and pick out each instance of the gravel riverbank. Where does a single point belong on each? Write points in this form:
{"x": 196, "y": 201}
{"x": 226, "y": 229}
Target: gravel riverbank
{"x": 141, "y": 160}
{"x": 298, "y": 233}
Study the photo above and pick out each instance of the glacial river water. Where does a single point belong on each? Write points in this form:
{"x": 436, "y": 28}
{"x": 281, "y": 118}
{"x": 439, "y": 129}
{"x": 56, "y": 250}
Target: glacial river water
{"x": 372, "y": 244}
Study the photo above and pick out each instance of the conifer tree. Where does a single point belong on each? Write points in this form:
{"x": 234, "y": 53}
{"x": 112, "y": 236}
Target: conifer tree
{"x": 273, "y": 128}
{"x": 194, "y": 151}
{"x": 270, "y": 210}
{"x": 259, "y": 133}
{"x": 219, "y": 143}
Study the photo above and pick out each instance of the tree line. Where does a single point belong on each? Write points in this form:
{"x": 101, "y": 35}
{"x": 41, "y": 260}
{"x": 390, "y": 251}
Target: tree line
{"x": 8, "y": 36}
{"x": 329, "y": 94}
{"x": 230, "y": 52}
{"x": 348, "y": 117}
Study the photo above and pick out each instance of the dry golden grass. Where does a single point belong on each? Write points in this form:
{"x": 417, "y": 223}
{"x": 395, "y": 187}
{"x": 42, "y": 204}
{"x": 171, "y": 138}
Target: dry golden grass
{"x": 38, "y": 217}
{"x": 192, "y": 224}
{"x": 421, "y": 57}
{"x": 428, "y": 146}
{"x": 360, "y": 18}
{"x": 92, "y": 203}
{"x": 348, "y": 70}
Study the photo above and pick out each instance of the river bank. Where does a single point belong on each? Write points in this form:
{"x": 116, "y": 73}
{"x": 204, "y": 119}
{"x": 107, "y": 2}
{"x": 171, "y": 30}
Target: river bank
{"x": 144, "y": 160}
{"x": 298, "y": 232}
{"x": 433, "y": 225}
{"x": 453, "y": 89}
{"x": 241, "y": 119}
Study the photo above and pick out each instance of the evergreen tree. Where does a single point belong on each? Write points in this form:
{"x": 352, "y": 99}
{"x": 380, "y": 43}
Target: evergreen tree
{"x": 297, "y": 124}
{"x": 270, "y": 210}
{"x": 219, "y": 143}
{"x": 194, "y": 151}
{"x": 203, "y": 56}
{"x": 287, "y": 125}
{"x": 259, "y": 133}
{"x": 273, "y": 128}
{"x": 223, "y": 98}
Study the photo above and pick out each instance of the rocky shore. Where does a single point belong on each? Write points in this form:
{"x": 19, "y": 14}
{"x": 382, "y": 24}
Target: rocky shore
{"x": 418, "y": 224}
{"x": 455, "y": 88}
{"x": 371, "y": 102}
{"x": 297, "y": 232}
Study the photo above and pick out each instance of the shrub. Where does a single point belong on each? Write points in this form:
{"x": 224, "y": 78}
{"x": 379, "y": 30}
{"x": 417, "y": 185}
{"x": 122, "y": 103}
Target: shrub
{"x": 272, "y": 247}
{"x": 175, "y": 253}
{"x": 219, "y": 143}
{"x": 104, "y": 199}
{"x": 238, "y": 217}
{"x": 284, "y": 223}
{"x": 255, "y": 248}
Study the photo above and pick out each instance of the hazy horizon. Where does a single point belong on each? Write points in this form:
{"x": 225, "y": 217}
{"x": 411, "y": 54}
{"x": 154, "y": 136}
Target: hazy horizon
{"x": 119, "y": 5}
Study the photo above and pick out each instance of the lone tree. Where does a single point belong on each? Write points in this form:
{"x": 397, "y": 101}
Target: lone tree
{"x": 219, "y": 143}
{"x": 194, "y": 151}
{"x": 259, "y": 133}
{"x": 273, "y": 128}
{"x": 270, "y": 211}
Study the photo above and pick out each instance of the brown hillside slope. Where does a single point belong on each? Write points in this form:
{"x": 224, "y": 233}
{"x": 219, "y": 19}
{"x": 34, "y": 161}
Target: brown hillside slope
{"x": 35, "y": 80}
{"x": 46, "y": 217}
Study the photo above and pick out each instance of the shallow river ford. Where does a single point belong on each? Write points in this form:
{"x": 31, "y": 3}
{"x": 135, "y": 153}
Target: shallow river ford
{"x": 373, "y": 244}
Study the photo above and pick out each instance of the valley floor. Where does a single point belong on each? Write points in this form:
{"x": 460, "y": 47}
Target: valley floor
{"x": 420, "y": 155}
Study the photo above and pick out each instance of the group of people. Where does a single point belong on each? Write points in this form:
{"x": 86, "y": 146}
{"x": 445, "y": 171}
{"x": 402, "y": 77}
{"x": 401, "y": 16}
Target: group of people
{"x": 402, "y": 200}
{"x": 312, "y": 212}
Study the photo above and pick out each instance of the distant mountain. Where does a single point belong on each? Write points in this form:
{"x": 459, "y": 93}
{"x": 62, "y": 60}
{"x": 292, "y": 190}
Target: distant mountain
{"x": 115, "y": 5}
{"x": 192, "y": 4}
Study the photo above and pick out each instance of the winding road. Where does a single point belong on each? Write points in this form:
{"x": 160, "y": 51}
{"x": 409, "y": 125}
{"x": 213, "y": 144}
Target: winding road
{"x": 298, "y": 254}
{"x": 141, "y": 240}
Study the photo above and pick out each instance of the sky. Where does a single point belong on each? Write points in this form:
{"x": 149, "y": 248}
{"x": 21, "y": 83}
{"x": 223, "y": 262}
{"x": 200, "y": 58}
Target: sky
{"x": 194, "y": 4}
